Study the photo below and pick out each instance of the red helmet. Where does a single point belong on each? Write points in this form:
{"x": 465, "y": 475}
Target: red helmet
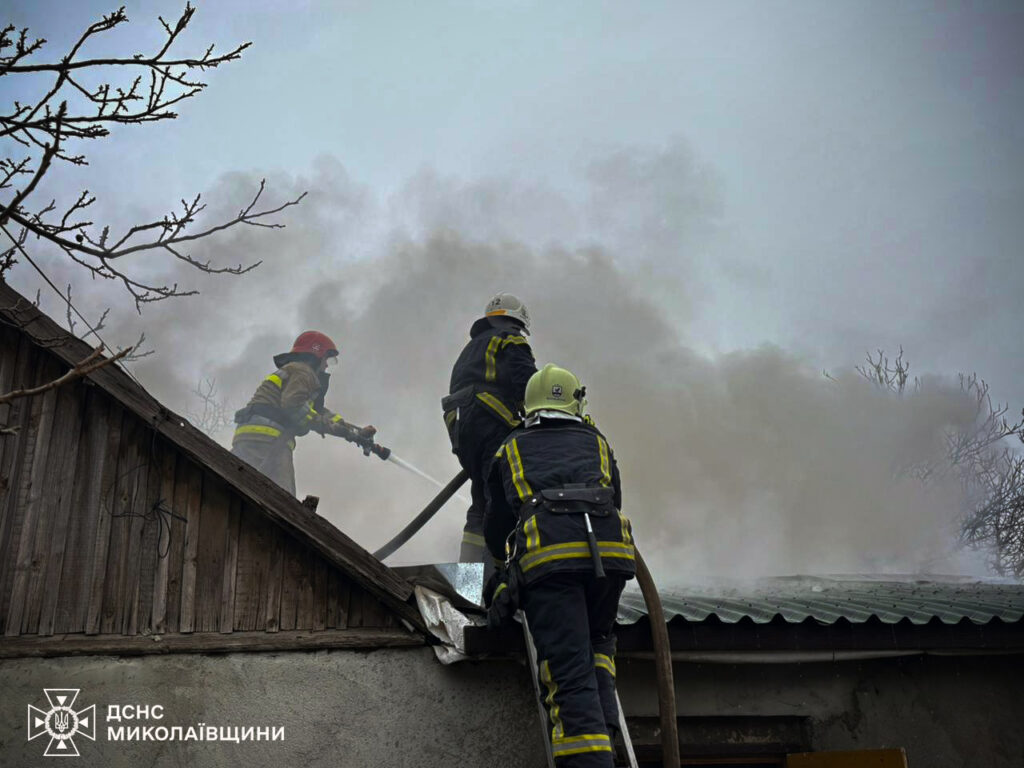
{"x": 316, "y": 344}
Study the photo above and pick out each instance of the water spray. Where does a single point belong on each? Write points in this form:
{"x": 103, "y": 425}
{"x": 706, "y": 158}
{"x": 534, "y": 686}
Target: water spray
{"x": 416, "y": 471}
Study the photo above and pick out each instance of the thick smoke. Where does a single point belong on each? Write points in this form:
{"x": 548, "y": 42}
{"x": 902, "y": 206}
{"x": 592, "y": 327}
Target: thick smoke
{"x": 749, "y": 463}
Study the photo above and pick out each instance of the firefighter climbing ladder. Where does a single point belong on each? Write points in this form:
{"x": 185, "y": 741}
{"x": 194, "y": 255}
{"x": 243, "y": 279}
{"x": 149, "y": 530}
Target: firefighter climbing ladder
{"x": 531, "y": 651}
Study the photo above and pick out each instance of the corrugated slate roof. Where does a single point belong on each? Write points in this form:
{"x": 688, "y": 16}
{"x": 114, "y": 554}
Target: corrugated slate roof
{"x": 828, "y": 599}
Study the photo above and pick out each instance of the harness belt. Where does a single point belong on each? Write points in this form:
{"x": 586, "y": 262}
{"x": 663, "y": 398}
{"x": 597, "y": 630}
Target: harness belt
{"x": 575, "y": 499}
{"x": 493, "y": 399}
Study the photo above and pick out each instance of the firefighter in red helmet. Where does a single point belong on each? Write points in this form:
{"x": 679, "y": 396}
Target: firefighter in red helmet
{"x": 289, "y": 403}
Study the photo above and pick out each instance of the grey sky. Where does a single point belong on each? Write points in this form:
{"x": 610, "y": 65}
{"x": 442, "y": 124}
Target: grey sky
{"x": 824, "y": 177}
{"x": 870, "y": 154}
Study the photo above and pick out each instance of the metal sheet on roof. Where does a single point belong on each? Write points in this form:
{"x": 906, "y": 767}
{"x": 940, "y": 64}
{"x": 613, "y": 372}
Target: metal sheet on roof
{"x": 827, "y": 599}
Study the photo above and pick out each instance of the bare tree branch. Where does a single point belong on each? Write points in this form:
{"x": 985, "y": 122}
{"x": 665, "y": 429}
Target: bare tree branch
{"x": 212, "y": 415}
{"x": 68, "y": 111}
{"x": 92, "y": 362}
{"x": 990, "y": 473}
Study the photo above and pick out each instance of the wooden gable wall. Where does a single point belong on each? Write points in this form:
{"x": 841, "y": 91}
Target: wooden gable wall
{"x": 107, "y": 529}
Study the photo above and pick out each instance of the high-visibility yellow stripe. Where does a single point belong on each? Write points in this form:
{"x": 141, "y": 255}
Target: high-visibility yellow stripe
{"x": 515, "y": 463}
{"x": 449, "y": 418}
{"x": 275, "y": 379}
{"x": 336, "y": 418}
{"x": 611, "y": 546}
{"x": 606, "y": 471}
{"x": 627, "y": 535}
{"x": 497, "y": 592}
{"x": 532, "y": 534}
{"x": 577, "y": 750}
{"x": 468, "y": 537}
{"x": 603, "y": 661}
{"x": 575, "y": 550}
{"x": 498, "y": 407}
{"x": 514, "y": 340}
{"x": 256, "y": 429}
{"x": 490, "y": 364}
{"x": 568, "y": 555}
{"x": 574, "y": 745}
{"x": 554, "y": 711}
{"x": 522, "y": 469}
{"x": 584, "y": 737}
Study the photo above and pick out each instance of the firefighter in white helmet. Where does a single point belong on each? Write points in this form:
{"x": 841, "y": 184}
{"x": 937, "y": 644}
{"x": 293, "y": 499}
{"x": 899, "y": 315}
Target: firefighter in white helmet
{"x": 484, "y": 400}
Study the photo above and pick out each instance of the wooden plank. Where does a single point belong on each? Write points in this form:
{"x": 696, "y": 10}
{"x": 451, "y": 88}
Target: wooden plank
{"x": 337, "y": 611}
{"x": 374, "y": 613}
{"x": 229, "y": 577}
{"x": 139, "y": 522}
{"x": 275, "y": 583}
{"x": 255, "y": 551}
{"x": 291, "y": 585}
{"x": 120, "y": 501}
{"x": 17, "y": 456}
{"x": 188, "y": 480}
{"x": 35, "y": 522}
{"x": 210, "y": 567}
{"x": 332, "y": 598}
{"x": 57, "y": 441}
{"x": 103, "y": 497}
{"x": 10, "y": 343}
{"x": 304, "y": 608}
{"x": 277, "y": 503}
{"x": 355, "y": 607}
{"x": 320, "y": 576}
{"x": 193, "y": 489}
{"x": 166, "y": 504}
{"x": 207, "y": 642}
{"x": 61, "y": 475}
{"x": 73, "y": 601}
{"x": 155, "y": 528}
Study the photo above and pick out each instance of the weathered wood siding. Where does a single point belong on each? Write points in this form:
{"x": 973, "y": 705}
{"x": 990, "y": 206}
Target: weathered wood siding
{"x": 106, "y": 528}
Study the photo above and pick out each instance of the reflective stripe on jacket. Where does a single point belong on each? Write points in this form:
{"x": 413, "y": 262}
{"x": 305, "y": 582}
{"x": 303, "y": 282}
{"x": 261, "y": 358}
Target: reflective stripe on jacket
{"x": 496, "y": 364}
{"x": 284, "y": 401}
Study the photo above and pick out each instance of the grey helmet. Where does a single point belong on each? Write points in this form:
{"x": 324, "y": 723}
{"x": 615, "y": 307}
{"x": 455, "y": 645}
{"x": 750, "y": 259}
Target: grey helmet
{"x": 507, "y": 305}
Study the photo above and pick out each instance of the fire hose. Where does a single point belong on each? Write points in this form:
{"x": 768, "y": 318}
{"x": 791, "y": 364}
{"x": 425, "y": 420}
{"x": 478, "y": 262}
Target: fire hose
{"x": 421, "y": 519}
{"x": 662, "y": 665}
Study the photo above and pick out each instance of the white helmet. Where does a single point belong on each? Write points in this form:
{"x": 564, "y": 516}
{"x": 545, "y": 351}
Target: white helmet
{"x": 507, "y": 305}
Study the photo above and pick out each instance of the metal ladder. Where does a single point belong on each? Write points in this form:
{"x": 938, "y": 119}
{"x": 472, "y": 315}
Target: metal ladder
{"x": 531, "y": 651}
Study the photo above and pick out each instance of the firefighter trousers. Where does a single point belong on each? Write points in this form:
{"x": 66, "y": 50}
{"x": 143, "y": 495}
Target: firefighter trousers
{"x": 572, "y": 617}
{"x": 271, "y": 458}
{"x": 479, "y": 437}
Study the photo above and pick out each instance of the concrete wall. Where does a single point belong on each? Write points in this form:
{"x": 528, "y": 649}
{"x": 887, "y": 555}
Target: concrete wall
{"x": 401, "y": 708}
{"x": 340, "y": 709}
{"x": 946, "y": 711}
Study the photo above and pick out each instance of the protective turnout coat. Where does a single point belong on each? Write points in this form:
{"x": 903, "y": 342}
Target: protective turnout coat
{"x": 549, "y": 537}
{"x": 288, "y": 403}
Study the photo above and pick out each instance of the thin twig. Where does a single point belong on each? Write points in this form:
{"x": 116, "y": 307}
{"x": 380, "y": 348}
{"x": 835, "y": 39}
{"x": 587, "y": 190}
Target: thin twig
{"x": 91, "y": 363}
